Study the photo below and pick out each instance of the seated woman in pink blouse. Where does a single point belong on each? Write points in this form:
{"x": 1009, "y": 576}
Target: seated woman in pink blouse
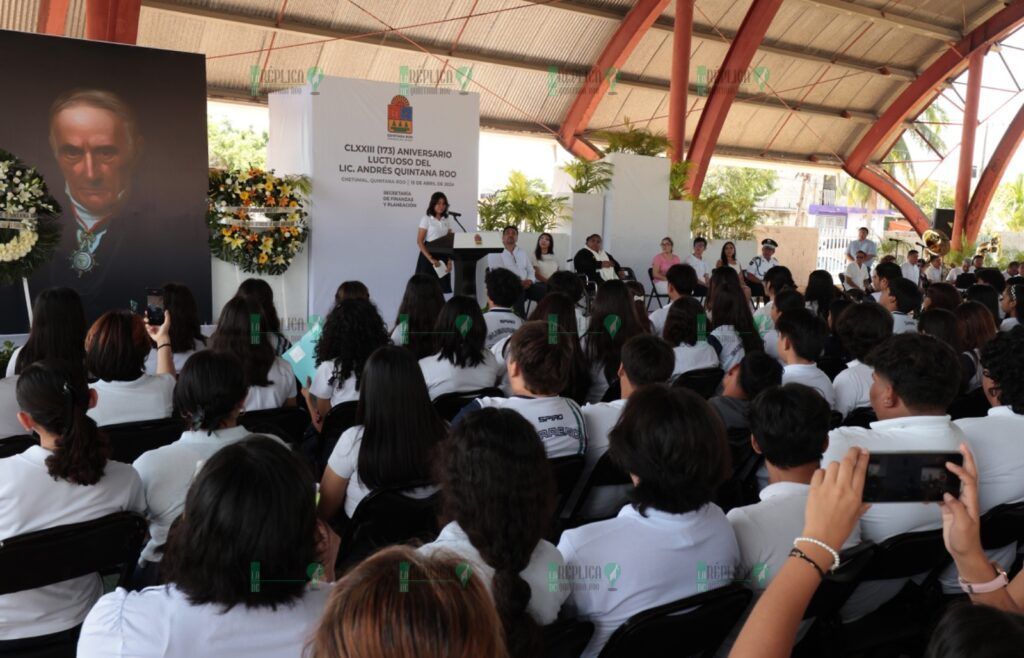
{"x": 661, "y": 263}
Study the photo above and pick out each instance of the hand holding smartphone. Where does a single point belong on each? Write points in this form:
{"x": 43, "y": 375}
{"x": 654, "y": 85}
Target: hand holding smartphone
{"x": 911, "y": 477}
{"x": 154, "y": 306}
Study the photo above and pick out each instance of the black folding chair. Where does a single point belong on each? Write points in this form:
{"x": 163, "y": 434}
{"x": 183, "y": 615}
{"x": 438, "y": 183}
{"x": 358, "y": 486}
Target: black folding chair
{"x": 694, "y": 626}
{"x": 605, "y": 474}
{"x": 566, "y": 471}
{"x": 860, "y": 417}
{"x": 386, "y": 517}
{"x": 1002, "y": 525}
{"x": 129, "y": 440}
{"x": 287, "y": 423}
{"x": 613, "y": 393}
{"x": 970, "y": 405}
{"x": 567, "y": 638}
{"x": 742, "y": 487}
{"x": 904, "y": 627}
{"x": 831, "y": 366}
{"x": 110, "y": 544}
{"x": 449, "y": 405}
{"x": 628, "y": 274}
{"x": 341, "y": 417}
{"x": 703, "y": 381}
{"x": 15, "y": 445}
{"x": 828, "y": 599}
{"x": 654, "y": 295}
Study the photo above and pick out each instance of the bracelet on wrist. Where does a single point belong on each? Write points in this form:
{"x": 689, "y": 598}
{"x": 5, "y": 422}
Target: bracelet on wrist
{"x": 817, "y": 542}
{"x": 796, "y": 552}
{"x": 160, "y": 347}
{"x": 1000, "y": 581}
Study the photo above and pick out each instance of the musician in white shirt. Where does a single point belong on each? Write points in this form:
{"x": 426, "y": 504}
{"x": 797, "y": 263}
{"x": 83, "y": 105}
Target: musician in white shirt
{"x": 933, "y": 272}
{"x": 856, "y": 274}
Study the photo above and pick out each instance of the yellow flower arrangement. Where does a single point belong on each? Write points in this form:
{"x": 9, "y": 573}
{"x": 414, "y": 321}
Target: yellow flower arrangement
{"x": 257, "y": 248}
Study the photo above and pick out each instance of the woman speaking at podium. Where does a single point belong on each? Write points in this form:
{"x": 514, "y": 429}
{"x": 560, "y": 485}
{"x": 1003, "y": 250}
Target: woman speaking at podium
{"x": 434, "y": 225}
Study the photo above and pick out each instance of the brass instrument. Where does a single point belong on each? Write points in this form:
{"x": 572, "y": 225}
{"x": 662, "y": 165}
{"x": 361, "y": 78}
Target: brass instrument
{"x": 936, "y": 243}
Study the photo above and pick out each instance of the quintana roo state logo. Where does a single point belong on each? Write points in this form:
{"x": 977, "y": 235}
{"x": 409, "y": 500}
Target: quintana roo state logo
{"x": 400, "y": 116}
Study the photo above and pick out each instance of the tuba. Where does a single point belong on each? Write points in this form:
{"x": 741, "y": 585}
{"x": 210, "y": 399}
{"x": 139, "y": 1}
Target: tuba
{"x": 935, "y": 242}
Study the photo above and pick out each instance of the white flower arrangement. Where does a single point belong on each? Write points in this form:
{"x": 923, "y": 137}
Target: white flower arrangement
{"x": 29, "y": 231}
{"x": 22, "y": 243}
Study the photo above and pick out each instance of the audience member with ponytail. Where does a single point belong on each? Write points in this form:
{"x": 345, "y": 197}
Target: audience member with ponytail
{"x": 209, "y": 396}
{"x": 674, "y": 448}
{"x": 65, "y": 479}
{"x": 1012, "y": 304}
{"x": 116, "y": 348}
{"x": 498, "y": 495}
{"x": 58, "y": 331}
{"x": 734, "y": 332}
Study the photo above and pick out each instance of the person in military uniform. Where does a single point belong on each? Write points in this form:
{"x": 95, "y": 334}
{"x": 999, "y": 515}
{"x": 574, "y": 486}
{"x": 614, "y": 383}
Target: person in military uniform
{"x": 759, "y": 266}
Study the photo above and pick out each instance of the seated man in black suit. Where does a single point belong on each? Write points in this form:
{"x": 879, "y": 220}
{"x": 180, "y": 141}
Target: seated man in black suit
{"x": 598, "y": 265}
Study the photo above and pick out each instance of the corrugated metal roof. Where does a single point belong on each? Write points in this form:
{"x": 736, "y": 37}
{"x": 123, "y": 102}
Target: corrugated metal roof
{"x": 529, "y": 58}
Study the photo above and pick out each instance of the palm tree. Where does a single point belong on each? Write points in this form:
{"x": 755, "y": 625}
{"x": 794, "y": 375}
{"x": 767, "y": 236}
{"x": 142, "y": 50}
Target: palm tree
{"x": 1012, "y": 197}
{"x": 589, "y": 175}
{"x": 524, "y": 203}
{"x": 926, "y": 135}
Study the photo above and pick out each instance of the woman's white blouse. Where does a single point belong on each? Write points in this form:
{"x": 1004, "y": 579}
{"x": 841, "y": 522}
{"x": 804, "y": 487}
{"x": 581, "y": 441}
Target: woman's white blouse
{"x": 436, "y": 228}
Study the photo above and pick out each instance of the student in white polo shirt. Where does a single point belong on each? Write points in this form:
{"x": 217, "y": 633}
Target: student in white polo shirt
{"x": 861, "y": 328}
{"x": 674, "y": 449}
{"x": 538, "y": 370}
{"x": 790, "y": 428}
{"x": 915, "y": 379}
{"x": 569, "y": 284}
{"x": 682, "y": 281}
{"x": 115, "y": 352}
{"x": 645, "y": 360}
{"x": 462, "y": 361}
{"x": 786, "y": 300}
{"x": 236, "y": 581}
{"x": 882, "y": 277}
{"x": 776, "y": 280}
{"x": 741, "y": 384}
{"x": 386, "y": 448}
{"x": 903, "y": 300}
{"x": 352, "y": 331}
{"x": 498, "y": 495}
{"x": 209, "y": 396}
{"x": 241, "y": 330}
{"x": 686, "y": 330}
{"x": 65, "y": 479}
{"x": 801, "y": 339}
{"x": 503, "y": 293}
{"x": 613, "y": 321}
{"x": 997, "y": 440}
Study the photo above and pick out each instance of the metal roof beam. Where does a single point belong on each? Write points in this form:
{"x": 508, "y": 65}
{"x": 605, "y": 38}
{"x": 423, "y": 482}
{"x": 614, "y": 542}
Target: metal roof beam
{"x": 709, "y": 33}
{"x": 623, "y": 80}
{"x": 890, "y": 19}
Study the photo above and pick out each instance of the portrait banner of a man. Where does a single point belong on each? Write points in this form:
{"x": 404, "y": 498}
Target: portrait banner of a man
{"x": 119, "y": 134}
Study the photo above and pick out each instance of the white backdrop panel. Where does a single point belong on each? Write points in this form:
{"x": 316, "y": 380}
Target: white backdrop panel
{"x": 636, "y": 214}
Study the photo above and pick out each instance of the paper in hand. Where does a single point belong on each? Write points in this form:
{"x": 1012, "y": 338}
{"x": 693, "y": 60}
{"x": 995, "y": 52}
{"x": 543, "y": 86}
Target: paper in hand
{"x": 441, "y": 268}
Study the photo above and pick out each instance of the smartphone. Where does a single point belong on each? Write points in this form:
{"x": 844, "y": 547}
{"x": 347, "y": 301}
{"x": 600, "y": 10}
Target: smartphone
{"x": 155, "y": 306}
{"x": 910, "y": 477}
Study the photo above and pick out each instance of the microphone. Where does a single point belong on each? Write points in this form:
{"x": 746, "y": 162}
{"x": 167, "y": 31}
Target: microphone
{"x": 455, "y": 216}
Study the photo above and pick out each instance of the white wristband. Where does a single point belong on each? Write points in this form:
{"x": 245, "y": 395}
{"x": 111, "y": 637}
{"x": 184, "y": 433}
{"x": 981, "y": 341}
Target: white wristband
{"x": 816, "y": 542}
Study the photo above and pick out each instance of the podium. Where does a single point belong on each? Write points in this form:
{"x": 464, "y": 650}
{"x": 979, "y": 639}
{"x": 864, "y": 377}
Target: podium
{"x": 465, "y": 251}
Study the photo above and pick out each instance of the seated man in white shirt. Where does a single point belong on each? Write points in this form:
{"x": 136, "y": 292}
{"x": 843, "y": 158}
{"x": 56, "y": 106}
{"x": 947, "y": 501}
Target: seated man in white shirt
{"x": 538, "y": 371}
{"x": 965, "y": 268}
{"x": 861, "y": 328}
{"x": 912, "y": 268}
{"x": 933, "y": 272}
{"x": 915, "y": 379}
{"x": 1012, "y": 270}
{"x": 997, "y": 440}
{"x": 790, "y": 428}
{"x": 503, "y": 292}
{"x": 801, "y": 339}
{"x": 515, "y": 260}
{"x": 741, "y": 384}
{"x": 646, "y": 360}
{"x": 700, "y": 268}
{"x": 856, "y": 275}
{"x": 682, "y": 281}
{"x": 901, "y": 299}
{"x": 672, "y": 541}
